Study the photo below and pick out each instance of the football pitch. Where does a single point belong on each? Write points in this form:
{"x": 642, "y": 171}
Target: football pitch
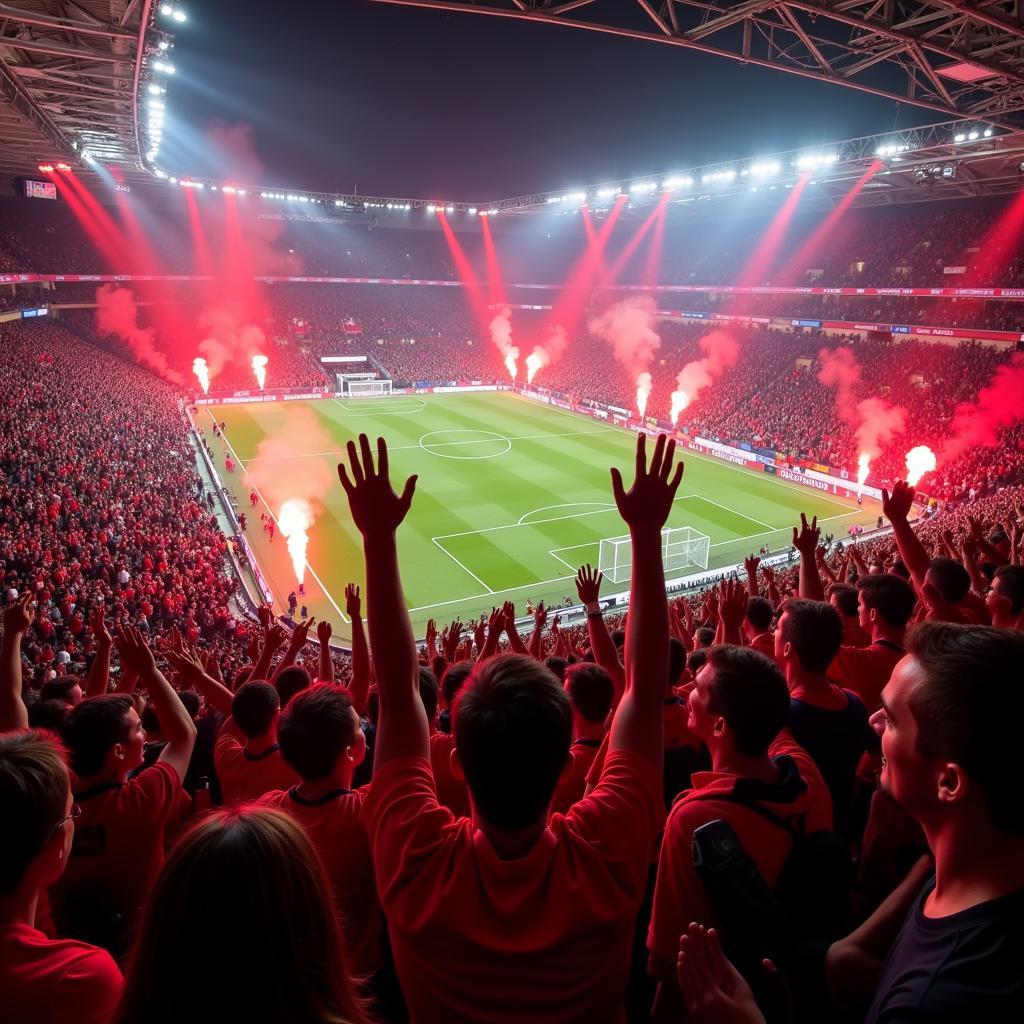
{"x": 512, "y": 497}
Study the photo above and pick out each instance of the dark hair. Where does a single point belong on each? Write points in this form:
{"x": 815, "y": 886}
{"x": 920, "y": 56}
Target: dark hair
{"x": 92, "y": 728}
{"x": 48, "y": 714}
{"x": 557, "y": 664}
{"x": 846, "y": 598}
{"x": 590, "y": 691}
{"x": 815, "y": 630}
{"x": 705, "y": 636}
{"x": 1013, "y": 585}
{"x": 760, "y": 612}
{"x": 59, "y": 688}
{"x": 951, "y": 579}
{"x": 969, "y": 706}
{"x": 900, "y": 569}
{"x": 890, "y": 595}
{"x": 438, "y": 665}
{"x": 750, "y": 692}
{"x": 191, "y": 701}
{"x": 453, "y": 679}
{"x": 509, "y": 704}
{"x": 33, "y": 798}
{"x": 696, "y": 660}
{"x": 315, "y": 728}
{"x": 429, "y": 693}
{"x": 150, "y": 721}
{"x": 618, "y": 637}
{"x": 254, "y": 706}
{"x": 676, "y": 659}
{"x": 290, "y": 681}
{"x": 248, "y": 889}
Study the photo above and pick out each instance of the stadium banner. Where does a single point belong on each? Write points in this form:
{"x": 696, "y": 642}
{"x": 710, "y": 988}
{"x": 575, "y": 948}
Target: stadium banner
{"x": 954, "y": 270}
{"x": 722, "y": 451}
{"x": 278, "y": 395}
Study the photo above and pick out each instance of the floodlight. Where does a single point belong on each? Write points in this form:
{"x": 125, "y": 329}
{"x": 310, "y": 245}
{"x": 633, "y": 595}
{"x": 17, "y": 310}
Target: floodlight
{"x": 431, "y": 208}
{"x": 471, "y": 210}
{"x": 166, "y": 10}
{"x": 449, "y": 209}
{"x": 179, "y": 15}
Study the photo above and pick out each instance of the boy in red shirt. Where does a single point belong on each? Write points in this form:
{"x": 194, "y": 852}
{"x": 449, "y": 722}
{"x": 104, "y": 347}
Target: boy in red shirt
{"x": 739, "y": 707}
{"x": 510, "y": 916}
{"x": 247, "y": 757}
{"x": 42, "y": 979}
{"x": 322, "y": 742}
{"x": 119, "y": 838}
{"x": 590, "y": 690}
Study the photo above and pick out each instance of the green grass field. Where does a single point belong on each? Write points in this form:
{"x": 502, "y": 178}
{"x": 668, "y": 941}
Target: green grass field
{"x": 512, "y": 496}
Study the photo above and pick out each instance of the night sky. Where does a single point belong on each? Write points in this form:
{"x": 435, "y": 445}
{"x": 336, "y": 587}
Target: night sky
{"x": 419, "y": 103}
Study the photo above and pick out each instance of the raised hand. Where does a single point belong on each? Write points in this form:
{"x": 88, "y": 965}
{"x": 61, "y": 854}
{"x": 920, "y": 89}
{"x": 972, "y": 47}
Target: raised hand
{"x": 508, "y": 610}
{"x": 376, "y": 508}
{"x": 897, "y": 505}
{"x": 451, "y": 640}
{"x": 431, "y": 634}
{"x": 301, "y": 634}
{"x": 750, "y": 563}
{"x": 540, "y": 616}
{"x": 805, "y": 540}
{"x": 732, "y": 604}
{"x": 588, "y": 584}
{"x": 265, "y": 613}
{"x": 274, "y": 637}
{"x": 99, "y": 629}
{"x": 19, "y": 614}
{"x": 323, "y": 632}
{"x": 480, "y": 632}
{"x": 648, "y": 502}
{"x": 136, "y": 657}
{"x": 353, "y": 604}
{"x": 713, "y": 990}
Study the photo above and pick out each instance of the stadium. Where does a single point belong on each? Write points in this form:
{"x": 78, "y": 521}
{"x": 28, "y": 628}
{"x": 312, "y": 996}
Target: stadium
{"x": 392, "y": 393}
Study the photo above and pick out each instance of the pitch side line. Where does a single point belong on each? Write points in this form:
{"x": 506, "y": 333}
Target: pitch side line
{"x": 312, "y": 572}
{"x": 742, "y": 515}
{"x": 461, "y": 566}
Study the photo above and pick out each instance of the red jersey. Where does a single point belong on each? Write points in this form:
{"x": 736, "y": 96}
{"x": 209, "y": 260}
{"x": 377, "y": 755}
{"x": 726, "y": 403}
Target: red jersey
{"x": 244, "y": 776}
{"x": 118, "y": 847}
{"x": 571, "y": 788}
{"x": 452, "y": 792}
{"x": 865, "y": 670}
{"x": 545, "y": 938}
{"x": 679, "y": 894}
{"x": 765, "y": 643}
{"x": 334, "y": 826}
{"x": 55, "y": 981}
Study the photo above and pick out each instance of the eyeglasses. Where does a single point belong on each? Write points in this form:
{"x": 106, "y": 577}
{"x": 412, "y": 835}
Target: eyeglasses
{"x": 76, "y": 812}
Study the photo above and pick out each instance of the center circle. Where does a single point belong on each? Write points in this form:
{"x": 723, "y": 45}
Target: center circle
{"x": 465, "y": 444}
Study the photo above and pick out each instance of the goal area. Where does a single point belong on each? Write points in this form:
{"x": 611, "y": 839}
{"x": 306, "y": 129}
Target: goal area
{"x": 366, "y": 388}
{"x": 682, "y": 547}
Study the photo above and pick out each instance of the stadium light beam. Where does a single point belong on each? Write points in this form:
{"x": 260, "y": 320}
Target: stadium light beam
{"x": 495, "y": 285}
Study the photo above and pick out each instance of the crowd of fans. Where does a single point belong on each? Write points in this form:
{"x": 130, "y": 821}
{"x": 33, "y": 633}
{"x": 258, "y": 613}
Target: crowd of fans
{"x": 787, "y": 797}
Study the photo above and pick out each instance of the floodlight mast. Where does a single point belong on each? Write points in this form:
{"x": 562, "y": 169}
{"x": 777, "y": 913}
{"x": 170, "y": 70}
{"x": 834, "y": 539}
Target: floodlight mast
{"x": 956, "y": 66}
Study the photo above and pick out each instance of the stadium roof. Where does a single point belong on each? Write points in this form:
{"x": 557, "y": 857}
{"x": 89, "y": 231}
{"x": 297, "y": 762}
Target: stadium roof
{"x": 957, "y": 58}
{"x": 70, "y": 74}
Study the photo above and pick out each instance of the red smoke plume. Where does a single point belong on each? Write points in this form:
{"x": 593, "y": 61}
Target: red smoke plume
{"x": 1000, "y": 404}
{"x": 721, "y": 351}
{"x": 116, "y": 314}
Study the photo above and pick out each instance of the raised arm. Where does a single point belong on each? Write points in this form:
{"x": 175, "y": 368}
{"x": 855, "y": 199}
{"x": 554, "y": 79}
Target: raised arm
{"x": 189, "y": 666}
{"x": 273, "y": 637}
{"x": 18, "y": 618}
{"x": 540, "y": 616}
{"x": 896, "y": 507}
{"x": 750, "y": 564}
{"x": 638, "y": 725}
{"x": 515, "y": 641}
{"x": 359, "y": 688}
{"x": 805, "y": 540}
{"x": 98, "y": 680}
{"x": 300, "y": 634}
{"x": 377, "y": 511}
{"x": 175, "y": 722}
{"x": 325, "y": 663}
{"x": 588, "y": 587}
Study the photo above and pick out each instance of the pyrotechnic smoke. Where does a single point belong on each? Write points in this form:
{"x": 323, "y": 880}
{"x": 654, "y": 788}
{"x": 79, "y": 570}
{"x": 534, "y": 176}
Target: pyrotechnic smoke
{"x": 874, "y": 420}
{"x": 550, "y": 352}
{"x": 720, "y": 353}
{"x": 259, "y": 367}
{"x": 863, "y": 468}
{"x": 628, "y": 327}
{"x": 294, "y": 521}
{"x": 117, "y": 314}
{"x": 1000, "y": 404}
{"x": 293, "y": 488}
{"x": 920, "y": 460}
{"x": 501, "y": 335}
{"x": 229, "y": 338}
{"x": 643, "y": 392}
{"x": 202, "y": 374}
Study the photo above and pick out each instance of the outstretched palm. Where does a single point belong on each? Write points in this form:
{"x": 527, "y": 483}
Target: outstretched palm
{"x": 376, "y": 508}
{"x": 649, "y": 501}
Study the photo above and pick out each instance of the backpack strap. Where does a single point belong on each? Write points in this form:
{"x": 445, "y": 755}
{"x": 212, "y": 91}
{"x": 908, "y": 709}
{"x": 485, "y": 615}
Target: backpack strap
{"x": 757, "y": 807}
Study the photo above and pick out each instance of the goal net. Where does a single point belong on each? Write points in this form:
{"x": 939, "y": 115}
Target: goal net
{"x": 682, "y": 547}
{"x": 366, "y": 388}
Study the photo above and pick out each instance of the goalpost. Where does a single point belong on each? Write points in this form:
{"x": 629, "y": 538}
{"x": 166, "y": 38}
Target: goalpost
{"x": 366, "y": 388}
{"x": 682, "y": 547}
